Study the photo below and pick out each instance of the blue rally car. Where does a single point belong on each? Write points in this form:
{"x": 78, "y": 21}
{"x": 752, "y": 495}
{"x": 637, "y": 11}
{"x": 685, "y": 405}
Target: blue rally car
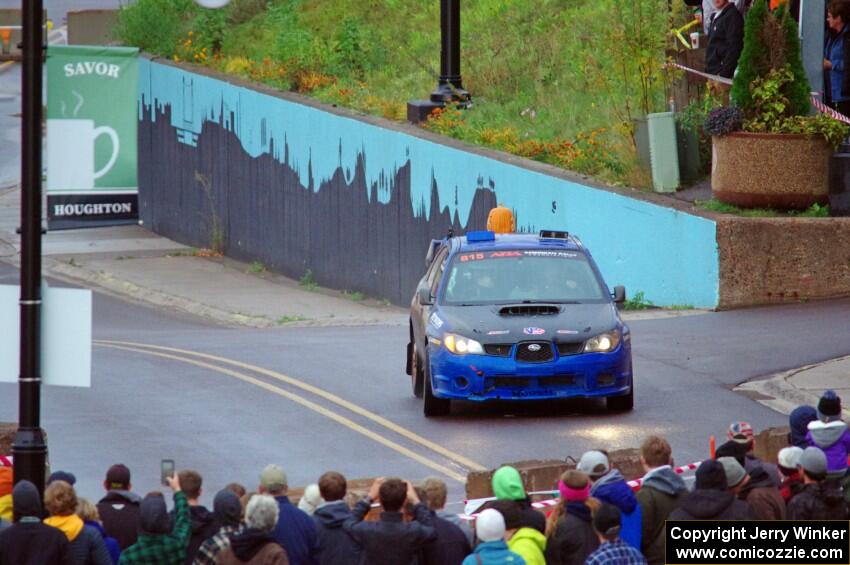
{"x": 517, "y": 317}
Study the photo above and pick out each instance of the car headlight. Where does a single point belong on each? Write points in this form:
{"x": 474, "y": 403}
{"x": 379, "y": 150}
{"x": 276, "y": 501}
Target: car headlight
{"x": 461, "y": 345}
{"x": 603, "y": 343}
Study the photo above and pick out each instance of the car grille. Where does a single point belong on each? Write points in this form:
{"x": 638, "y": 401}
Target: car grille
{"x": 560, "y": 380}
{"x": 570, "y": 348}
{"x": 509, "y": 382}
{"x": 524, "y": 352}
{"x": 498, "y": 349}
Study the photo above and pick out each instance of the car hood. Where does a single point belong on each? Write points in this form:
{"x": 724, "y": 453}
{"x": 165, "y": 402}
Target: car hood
{"x": 494, "y": 324}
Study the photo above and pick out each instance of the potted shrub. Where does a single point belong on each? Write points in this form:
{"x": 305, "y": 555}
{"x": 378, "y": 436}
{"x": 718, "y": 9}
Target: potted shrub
{"x": 767, "y": 150}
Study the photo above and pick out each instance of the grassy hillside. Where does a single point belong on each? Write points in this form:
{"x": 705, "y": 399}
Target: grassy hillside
{"x": 553, "y": 80}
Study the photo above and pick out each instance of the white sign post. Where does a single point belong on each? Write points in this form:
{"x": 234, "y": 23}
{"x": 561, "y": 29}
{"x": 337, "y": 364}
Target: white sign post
{"x": 66, "y": 330}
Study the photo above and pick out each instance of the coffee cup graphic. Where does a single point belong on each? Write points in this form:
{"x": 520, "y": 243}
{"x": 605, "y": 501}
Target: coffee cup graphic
{"x": 71, "y": 153}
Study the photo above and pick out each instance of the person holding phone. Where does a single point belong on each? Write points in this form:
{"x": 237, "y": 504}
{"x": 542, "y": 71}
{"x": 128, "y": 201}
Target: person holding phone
{"x": 391, "y": 540}
{"x": 159, "y": 542}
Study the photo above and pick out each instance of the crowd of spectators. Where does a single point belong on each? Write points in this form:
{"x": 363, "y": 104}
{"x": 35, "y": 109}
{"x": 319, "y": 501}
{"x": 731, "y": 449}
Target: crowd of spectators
{"x": 598, "y": 519}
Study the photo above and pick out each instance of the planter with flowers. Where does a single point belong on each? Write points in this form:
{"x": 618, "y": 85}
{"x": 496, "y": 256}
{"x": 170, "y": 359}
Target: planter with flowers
{"x": 767, "y": 150}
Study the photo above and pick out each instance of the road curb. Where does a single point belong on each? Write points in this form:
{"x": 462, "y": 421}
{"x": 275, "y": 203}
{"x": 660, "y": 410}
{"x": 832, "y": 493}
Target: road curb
{"x": 777, "y": 393}
{"x": 123, "y": 289}
{"x": 109, "y": 284}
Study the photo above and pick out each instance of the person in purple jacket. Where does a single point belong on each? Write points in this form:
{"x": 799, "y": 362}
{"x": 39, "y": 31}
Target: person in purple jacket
{"x": 829, "y": 432}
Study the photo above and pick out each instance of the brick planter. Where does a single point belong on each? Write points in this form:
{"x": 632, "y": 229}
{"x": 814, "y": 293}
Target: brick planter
{"x": 768, "y": 170}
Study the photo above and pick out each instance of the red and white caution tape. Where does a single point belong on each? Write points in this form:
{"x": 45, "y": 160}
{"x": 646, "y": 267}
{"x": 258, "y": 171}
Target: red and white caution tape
{"x": 824, "y": 109}
{"x": 473, "y": 505}
{"x": 5, "y": 461}
{"x": 816, "y": 101}
{"x": 715, "y": 78}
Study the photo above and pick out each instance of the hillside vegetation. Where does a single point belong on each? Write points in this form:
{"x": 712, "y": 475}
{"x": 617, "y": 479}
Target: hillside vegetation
{"x": 553, "y": 80}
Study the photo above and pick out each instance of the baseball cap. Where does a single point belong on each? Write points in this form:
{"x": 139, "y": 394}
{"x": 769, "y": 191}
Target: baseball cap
{"x": 118, "y": 477}
{"x": 62, "y": 476}
{"x": 789, "y": 457}
{"x": 490, "y": 525}
{"x": 594, "y": 464}
{"x": 740, "y": 432}
{"x": 273, "y": 478}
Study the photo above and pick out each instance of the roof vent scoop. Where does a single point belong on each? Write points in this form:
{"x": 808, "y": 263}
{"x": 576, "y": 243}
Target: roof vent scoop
{"x": 529, "y": 310}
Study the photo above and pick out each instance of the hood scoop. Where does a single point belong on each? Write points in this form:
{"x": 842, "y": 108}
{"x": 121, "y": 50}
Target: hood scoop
{"x": 530, "y": 310}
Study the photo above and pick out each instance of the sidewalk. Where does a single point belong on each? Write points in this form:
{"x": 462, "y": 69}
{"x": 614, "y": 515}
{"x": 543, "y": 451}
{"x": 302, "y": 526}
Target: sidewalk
{"x": 131, "y": 262}
{"x": 786, "y": 391}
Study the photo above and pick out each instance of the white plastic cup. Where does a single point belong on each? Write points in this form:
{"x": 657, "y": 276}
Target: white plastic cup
{"x": 695, "y": 40}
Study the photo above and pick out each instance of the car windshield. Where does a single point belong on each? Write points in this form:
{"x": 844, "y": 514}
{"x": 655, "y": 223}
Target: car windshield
{"x": 523, "y": 275}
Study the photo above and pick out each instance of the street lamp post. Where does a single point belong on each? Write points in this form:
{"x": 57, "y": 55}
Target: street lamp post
{"x": 450, "y": 85}
{"x": 29, "y": 450}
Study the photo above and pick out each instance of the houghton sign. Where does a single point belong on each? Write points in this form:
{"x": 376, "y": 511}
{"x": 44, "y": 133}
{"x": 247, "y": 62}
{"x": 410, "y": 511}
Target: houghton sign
{"x": 91, "y": 136}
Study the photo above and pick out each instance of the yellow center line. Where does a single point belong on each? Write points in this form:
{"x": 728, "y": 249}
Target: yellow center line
{"x": 319, "y": 409}
{"x": 6, "y": 65}
{"x": 339, "y": 401}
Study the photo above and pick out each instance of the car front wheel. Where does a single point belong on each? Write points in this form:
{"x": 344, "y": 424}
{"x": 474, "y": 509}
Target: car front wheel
{"x": 417, "y": 377}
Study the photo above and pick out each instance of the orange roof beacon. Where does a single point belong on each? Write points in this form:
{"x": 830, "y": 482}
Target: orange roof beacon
{"x": 501, "y": 220}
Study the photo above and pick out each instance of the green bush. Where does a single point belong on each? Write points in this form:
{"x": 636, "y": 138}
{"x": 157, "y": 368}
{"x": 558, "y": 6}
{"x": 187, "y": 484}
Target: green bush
{"x": 771, "y": 45}
{"x": 155, "y": 26}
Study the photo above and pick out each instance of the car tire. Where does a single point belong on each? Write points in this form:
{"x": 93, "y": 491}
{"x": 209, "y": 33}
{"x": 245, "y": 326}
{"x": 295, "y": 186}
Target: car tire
{"x": 433, "y": 406}
{"x": 417, "y": 376}
{"x": 623, "y": 403}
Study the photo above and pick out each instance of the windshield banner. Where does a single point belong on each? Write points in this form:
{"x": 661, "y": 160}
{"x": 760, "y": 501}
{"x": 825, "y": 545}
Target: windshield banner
{"x": 92, "y": 118}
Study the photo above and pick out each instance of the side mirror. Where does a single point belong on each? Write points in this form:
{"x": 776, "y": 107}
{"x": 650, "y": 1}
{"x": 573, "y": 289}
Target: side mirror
{"x": 619, "y": 295}
{"x": 425, "y": 296}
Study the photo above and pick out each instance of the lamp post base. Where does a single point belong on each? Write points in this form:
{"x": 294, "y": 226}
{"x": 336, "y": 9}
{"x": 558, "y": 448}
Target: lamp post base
{"x": 419, "y": 110}
{"x": 29, "y": 454}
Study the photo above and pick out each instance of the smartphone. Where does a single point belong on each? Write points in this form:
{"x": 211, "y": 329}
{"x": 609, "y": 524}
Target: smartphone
{"x": 166, "y": 471}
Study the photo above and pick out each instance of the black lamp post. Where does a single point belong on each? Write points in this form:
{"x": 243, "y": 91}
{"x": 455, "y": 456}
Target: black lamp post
{"x": 29, "y": 449}
{"x": 450, "y": 86}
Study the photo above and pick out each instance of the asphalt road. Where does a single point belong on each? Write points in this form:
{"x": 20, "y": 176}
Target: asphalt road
{"x": 228, "y": 419}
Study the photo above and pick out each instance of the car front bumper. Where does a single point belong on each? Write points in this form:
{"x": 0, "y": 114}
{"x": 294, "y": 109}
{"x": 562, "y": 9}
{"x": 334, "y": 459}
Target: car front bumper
{"x": 489, "y": 377}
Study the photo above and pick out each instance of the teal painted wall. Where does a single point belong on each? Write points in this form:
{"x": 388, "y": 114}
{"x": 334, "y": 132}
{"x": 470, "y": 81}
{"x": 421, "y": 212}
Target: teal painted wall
{"x": 669, "y": 255}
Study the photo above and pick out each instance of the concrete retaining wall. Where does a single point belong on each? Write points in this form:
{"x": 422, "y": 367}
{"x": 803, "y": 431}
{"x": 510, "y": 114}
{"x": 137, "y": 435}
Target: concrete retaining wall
{"x": 301, "y": 186}
{"x": 779, "y": 260}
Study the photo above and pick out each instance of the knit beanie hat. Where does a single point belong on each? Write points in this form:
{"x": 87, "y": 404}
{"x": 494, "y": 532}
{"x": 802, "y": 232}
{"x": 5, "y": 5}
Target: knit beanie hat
{"x": 829, "y": 407}
{"x": 732, "y": 449}
{"x": 490, "y": 526}
{"x": 734, "y": 471}
{"x": 574, "y": 486}
{"x": 813, "y": 461}
{"x": 153, "y": 515}
{"x": 711, "y": 476}
{"x": 227, "y": 508}
{"x": 25, "y": 500}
